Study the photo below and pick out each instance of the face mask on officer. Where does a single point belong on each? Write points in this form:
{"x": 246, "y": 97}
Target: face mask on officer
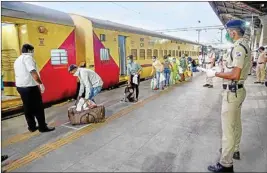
{"x": 229, "y": 38}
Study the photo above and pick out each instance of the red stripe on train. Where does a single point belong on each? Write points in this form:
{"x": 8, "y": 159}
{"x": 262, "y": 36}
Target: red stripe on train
{"x": 58, "y": 82}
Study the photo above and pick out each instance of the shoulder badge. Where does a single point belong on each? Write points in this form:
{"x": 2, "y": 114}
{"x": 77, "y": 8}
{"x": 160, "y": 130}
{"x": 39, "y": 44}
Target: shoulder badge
{"x": 238, "y": 53}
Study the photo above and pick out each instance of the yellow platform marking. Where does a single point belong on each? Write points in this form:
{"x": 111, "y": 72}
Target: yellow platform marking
{"x": 43, "y": 150}
{"x": 22, "y": 137}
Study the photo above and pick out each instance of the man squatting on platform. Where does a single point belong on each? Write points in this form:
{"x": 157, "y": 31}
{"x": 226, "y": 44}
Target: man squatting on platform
{"x": 89, "y": 80}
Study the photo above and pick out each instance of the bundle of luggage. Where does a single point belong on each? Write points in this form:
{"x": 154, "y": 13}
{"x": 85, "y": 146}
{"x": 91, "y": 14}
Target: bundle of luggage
{"x": 86, "y": 112}
{"x": 128, "y": 94}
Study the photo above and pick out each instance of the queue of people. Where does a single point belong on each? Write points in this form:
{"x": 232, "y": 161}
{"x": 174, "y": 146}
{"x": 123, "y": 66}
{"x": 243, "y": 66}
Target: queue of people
{"x": 170, "y": 71}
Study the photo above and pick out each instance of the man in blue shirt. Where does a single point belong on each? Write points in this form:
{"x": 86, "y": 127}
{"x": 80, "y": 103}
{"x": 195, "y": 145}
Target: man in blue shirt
{"x": 133, "y": 73}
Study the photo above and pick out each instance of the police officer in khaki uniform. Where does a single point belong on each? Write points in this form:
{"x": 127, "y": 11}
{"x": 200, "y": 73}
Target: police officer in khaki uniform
{"x": 261, "y": 63}
{"x": 209, "y": 61}
{"x": 238, "y": 64}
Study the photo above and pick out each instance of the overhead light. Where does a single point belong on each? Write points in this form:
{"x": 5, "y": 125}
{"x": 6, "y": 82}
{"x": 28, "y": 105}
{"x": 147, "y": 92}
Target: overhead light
{"x": 262, "y": 5}
{"x": 247, "y": 23}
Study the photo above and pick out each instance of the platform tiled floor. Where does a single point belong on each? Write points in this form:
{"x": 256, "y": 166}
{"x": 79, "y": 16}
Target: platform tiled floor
{"x": 178, "y": 131}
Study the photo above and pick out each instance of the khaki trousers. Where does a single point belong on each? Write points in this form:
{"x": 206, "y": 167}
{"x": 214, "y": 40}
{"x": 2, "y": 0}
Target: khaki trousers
{"x": 209, "y": 79}
{"x": 231, "y": 124}
{"x": 260, "y": 72}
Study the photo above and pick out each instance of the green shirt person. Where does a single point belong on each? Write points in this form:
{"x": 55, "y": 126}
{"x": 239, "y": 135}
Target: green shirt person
{"x": 183, "y": 64}
{"x": 234, "y": 95}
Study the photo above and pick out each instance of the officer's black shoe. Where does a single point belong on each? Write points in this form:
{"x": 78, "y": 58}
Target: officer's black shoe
{"x": 206, "y": 85}
{"x": 219, "y": 168}
{"x": 257, "y": 82}
{"x": 236, "y": 155}
{"x": 47, "y": 129}
{"x": 32, "y": 129}
{"x": 210, "y": 86}
{"x": 4, "y": 157}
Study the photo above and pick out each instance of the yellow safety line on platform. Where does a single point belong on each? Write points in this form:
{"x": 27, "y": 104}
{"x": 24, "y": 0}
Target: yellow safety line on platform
{"x": 21, "y": 137}
{"x": 43, "y": 150}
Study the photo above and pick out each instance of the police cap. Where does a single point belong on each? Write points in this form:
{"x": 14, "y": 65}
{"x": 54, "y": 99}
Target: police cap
{"x": 240, "y": 24}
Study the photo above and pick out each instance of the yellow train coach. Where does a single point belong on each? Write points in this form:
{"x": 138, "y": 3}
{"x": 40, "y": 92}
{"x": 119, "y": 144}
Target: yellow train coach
{"x": 104, "y": 45}
{"x": 61, "y": 39}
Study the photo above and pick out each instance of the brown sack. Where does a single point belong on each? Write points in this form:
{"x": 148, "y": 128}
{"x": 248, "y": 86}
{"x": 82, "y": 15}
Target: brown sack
{"x": 93, "y": 115}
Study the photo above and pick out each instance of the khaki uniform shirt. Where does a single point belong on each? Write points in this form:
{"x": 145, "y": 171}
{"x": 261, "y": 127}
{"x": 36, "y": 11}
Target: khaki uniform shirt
{"x": 262, "y": 58}
{"x": 241, "y": 59}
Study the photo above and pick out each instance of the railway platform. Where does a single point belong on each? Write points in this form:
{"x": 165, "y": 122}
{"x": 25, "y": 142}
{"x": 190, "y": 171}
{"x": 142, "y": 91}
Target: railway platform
{"x": 178, "y": 129}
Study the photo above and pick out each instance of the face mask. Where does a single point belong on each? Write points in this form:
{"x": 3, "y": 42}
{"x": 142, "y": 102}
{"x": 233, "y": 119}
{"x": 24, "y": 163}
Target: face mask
{"x": 129, "y": 61}
{"x": 76, "y": 73}
{"x": 228, "y": 38}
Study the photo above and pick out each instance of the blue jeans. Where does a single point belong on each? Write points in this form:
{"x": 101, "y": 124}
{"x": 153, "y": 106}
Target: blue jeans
{"x": 167, "y": 73}
{"x": 94, "y": 92}
{"x": 158, "y": 77}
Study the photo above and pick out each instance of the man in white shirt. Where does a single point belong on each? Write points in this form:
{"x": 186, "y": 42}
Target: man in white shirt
{"x": 27, "y": 80}
{"x": 89, "y": 80}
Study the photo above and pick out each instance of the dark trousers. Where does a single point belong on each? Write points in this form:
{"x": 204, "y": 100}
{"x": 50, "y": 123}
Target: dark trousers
{"x": 135, "y": 86}
{"x": 33, "y": 106}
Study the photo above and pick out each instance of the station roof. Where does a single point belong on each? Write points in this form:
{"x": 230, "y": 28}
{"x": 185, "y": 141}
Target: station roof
{"x": 226, "y": 10}
{"x": 105, "y": 24}
{"x": 34, "y": 12}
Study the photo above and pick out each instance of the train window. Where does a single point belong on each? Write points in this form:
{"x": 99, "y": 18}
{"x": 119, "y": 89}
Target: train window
{"x": 160, "y": 53}
{"x": 59, "y": 57}
{"x": 104, "y": 54}
{"x": 102, "y": 37}
{"x": 178, "y": 47}
{"x": 155, "y": 52}
{"x": 165, "y": 52}
{"x": 142, "y": 54}
{"x": 180, "y": 53}
{"x": 173, "y": 53}
{"x": 149, "y": 54}
{"x": 134, "y": 53}
{"x": 177, "y": 53}
{"x": 170, "y": 52}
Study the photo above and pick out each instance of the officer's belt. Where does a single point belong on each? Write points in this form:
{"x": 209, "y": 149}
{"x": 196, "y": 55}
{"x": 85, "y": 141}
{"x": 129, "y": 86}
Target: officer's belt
{"x": 239, "y": 86}
{"x": 260, "y": 62}
{"x": 207, "y": 62}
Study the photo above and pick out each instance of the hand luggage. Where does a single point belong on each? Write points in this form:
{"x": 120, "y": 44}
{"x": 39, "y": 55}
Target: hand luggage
{"x": 93, "y": 115}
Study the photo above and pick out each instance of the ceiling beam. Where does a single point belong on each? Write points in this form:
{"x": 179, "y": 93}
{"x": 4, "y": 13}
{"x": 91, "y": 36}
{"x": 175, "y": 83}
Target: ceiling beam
{"x": 234, "y": 10}
{"x": 245, "y": 6}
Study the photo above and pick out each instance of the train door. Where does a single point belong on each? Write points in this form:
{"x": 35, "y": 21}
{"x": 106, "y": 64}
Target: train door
{"x": 10, "y": 51}
{"x": 122, "y": 55}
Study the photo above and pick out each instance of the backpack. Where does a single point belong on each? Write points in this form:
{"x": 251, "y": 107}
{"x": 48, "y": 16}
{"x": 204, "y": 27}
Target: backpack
{"x": 129, "y": 94}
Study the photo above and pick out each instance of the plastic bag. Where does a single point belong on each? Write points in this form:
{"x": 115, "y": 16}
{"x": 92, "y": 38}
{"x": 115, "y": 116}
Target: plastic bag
{"x": 135, "y": 79}
{"x": 82, "y": 105}
{"x": 153, "y": 83}
{"x": 171, "y": 82}
{"x": 161, "y": 78}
